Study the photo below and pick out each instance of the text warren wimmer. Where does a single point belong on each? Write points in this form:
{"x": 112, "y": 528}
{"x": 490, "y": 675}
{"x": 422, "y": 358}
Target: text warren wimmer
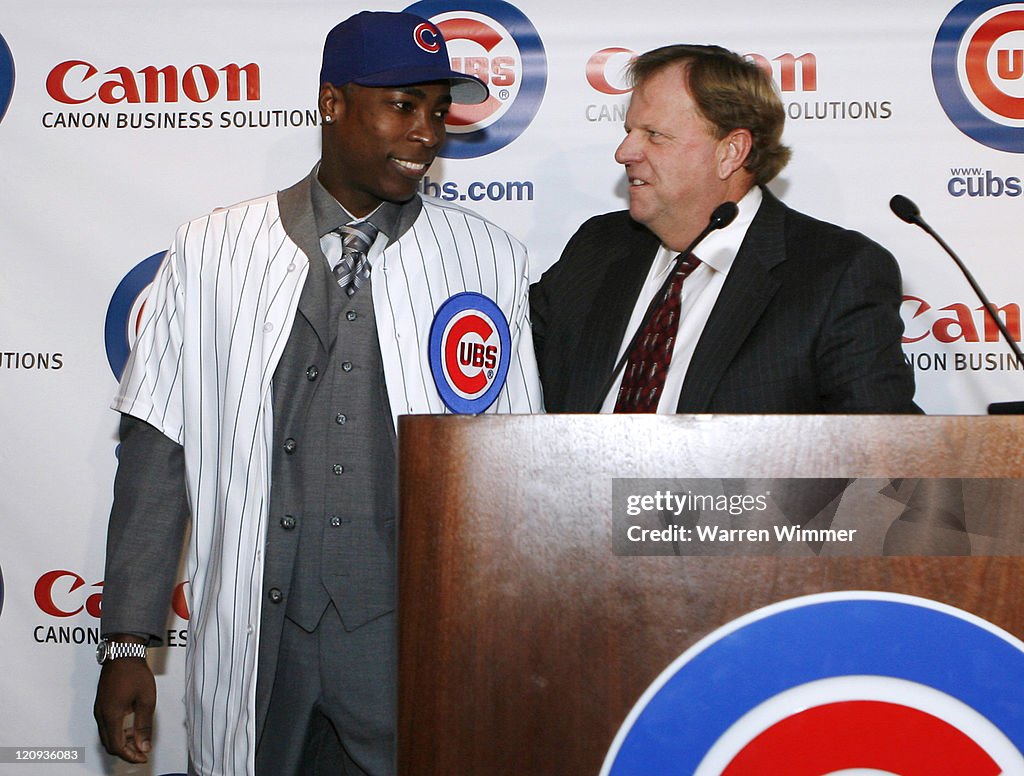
{"x": 710, "y": 517}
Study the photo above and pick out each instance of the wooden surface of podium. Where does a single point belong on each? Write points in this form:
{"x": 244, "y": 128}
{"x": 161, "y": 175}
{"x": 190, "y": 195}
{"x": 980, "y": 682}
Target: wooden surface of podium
{"x": 525, "y": 641}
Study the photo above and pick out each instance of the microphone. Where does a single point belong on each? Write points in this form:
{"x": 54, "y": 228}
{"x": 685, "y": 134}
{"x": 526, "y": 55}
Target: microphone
{"x": 721, "y": 217}
{"x": 907, "y": 211}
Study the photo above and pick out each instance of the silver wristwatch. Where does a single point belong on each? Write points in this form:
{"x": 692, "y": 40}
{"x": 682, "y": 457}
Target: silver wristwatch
{"x": 111, "y": 650}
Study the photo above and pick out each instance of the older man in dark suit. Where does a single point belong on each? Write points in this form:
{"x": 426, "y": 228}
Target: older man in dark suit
{"x": 776, "y": 312}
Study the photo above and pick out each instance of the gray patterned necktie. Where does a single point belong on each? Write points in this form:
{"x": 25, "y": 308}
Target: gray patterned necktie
{"x": 354, "y": 270}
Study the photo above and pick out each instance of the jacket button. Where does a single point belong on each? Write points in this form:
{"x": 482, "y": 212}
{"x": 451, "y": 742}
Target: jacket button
{"x": 275, "y": 595}
{"x": 312, "y": 373}
{"x": 351, "y": 315}
{"x": 287, "y": 522}
{"x": 335, "y": 521}
{"x": 341, "y": 419}
{"x": 346, "y": 366}
{"x": 338, "y": 468}
{"x": 290, "y": 445}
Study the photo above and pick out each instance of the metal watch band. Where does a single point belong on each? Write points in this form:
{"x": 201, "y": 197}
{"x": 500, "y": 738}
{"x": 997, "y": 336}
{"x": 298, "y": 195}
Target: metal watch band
{"x": 112, "y": 650}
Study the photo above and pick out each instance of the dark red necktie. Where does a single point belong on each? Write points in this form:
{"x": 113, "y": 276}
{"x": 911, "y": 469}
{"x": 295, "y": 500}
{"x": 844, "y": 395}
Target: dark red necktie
{"x": 647, "y": 366}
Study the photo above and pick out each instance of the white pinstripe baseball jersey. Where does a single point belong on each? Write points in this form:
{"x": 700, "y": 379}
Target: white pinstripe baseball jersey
{"x": 214, "y": 326}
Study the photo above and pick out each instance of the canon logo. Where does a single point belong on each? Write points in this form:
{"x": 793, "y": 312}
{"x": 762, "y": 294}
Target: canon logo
{"x": 789, "y": 69}
{"x": 59, "y": 593}
{"x": 75, "y": 82}
{"x": 956, "y": 322}
{"x": 606, "y": 70}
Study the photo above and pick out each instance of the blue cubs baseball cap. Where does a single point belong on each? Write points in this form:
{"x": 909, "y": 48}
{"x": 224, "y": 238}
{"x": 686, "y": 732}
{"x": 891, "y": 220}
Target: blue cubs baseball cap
{"x": 382, "y": 48}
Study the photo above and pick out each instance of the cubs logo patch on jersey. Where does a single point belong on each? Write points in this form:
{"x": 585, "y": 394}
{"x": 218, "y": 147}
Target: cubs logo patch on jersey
{"x": 470, "y": 350}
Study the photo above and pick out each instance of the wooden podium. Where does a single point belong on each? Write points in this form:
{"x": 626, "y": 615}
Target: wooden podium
{"x": 524, "y": 641}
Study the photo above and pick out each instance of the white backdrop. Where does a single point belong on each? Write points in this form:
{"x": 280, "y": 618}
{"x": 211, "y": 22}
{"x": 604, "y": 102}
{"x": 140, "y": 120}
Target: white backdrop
{"x": 86, "y": 200}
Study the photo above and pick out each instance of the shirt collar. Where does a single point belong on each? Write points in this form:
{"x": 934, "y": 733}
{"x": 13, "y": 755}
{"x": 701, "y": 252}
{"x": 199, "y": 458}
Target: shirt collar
{"x": 391, "y": 218}
{"x": 719, "y": 249}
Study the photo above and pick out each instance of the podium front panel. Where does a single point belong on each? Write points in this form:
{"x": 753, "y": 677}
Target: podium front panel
{"x": 525, "y": 640}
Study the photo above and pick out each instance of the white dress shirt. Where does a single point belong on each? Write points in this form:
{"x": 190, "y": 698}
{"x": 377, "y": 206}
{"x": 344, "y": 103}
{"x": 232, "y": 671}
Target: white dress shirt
{"x": 698, "y": 296}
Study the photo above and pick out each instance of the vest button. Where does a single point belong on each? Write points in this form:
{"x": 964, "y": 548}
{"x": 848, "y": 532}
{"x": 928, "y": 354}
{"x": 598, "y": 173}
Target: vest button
{"x": 275, "y": 595}
{"x": 335, "y": 521}
{"x": 312, "y": 373}
{"x": 290, "y": 445}
{"x": 346, "y": 366}
{"x": 341, "y": 419}
{"x": 338, "y": 468}
{"x": 351, "y": 315}
{"x": 287, "y": 522}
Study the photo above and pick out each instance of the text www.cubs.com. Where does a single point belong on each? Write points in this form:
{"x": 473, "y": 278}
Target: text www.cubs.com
{"x": 478, "y": 191}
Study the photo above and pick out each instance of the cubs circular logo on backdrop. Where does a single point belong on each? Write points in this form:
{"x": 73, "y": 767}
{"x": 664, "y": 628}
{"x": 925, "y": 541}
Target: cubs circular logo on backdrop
{"x": 494, "y": 41}
{"x": 978, "y": 71}
{"x": 858, "y": 682}
{"x": 6, "y": 77}
{"x": 470, "y": 349}
{"x": 125, "y": 311}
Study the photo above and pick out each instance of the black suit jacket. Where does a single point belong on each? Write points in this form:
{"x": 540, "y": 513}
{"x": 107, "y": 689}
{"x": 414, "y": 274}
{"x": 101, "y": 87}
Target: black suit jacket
{"x": 807, "y": 320}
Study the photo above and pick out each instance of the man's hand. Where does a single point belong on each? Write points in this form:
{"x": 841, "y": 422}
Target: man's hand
{"x": 126, "y": 687}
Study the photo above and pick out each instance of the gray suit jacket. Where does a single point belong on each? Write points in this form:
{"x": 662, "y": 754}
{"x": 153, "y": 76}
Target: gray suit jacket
{"x": 806, "y": 322}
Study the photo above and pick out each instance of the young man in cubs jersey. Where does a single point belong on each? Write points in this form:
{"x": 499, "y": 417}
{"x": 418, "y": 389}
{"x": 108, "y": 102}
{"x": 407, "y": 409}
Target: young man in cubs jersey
{"x": 281, "y": 339}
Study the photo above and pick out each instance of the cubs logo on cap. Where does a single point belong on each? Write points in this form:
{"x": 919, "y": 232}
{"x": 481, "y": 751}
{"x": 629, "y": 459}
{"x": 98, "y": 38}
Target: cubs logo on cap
{"x": 427, "y": 37}
{"x": 386, "y": 49}
{"x": 470, "y": 350}
{"x": 858, "y": 682}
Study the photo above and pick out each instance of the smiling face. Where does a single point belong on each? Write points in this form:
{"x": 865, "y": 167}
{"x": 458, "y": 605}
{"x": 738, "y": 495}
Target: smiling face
{"x": 678, "y": 169}
{"x": 379, "y": 141}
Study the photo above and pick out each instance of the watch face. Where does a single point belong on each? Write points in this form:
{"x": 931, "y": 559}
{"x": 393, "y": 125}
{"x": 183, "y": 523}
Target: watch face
{"x": 101, "y": 652}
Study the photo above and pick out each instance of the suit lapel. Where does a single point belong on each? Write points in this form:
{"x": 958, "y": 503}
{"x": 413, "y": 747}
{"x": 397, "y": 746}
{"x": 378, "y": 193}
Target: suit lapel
{"x": 743, "y": 298}
{"x": 295, "y": 205}
{"x": 630, "y": 261}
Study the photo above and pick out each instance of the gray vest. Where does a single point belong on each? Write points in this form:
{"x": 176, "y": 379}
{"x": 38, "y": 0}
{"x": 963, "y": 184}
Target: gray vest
{"x": 334, "y": 486}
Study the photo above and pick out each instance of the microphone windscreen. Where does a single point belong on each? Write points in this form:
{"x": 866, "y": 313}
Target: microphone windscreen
{"x": 905, "y": 209}
{"x": 723, "y": 215}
